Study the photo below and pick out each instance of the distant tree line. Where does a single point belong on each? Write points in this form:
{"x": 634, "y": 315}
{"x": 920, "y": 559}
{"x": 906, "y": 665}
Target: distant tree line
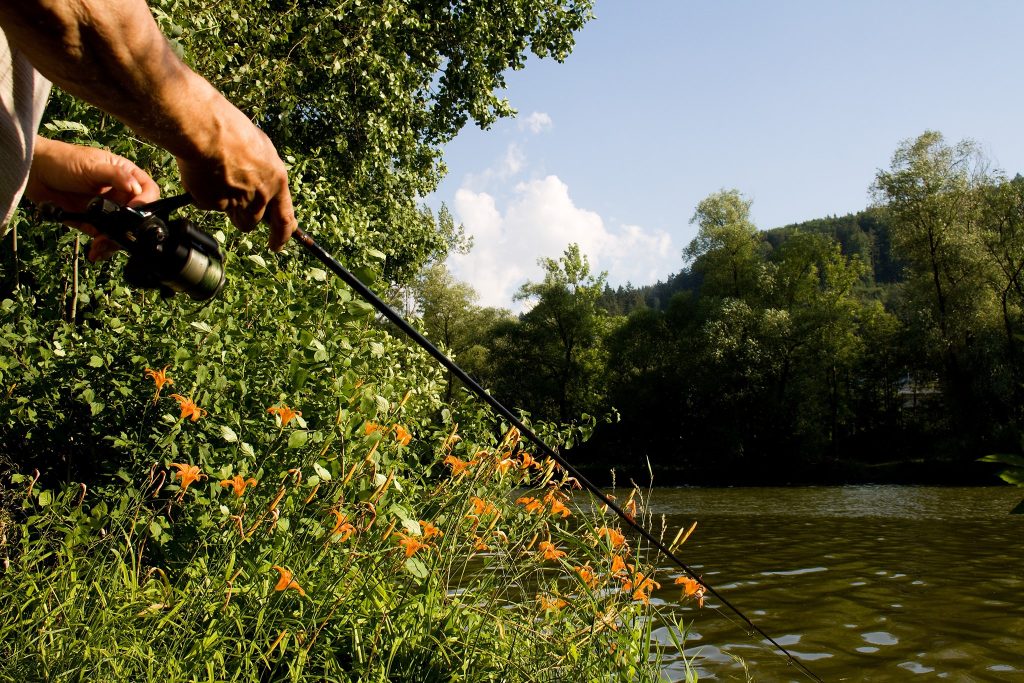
{"x": 880, "y": 346}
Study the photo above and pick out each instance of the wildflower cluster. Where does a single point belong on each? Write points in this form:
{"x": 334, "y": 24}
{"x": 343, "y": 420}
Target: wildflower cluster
{"x": 309, "y": 539}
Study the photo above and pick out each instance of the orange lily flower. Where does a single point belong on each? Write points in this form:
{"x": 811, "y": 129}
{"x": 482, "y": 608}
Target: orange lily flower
{"x": 587, "y": 575}
{"x": 641, "y": 586}
{"x": 285, "y": 581}
{"x": 692, "y": 587}
{"x": 619, "y": 565}
{"x": 187, "y": 474}
{"x": 479, "y": 545}
{"x": 284, "y": 413}
{"x": 429, "y": 530}
{"x": 342, "y": 527}
{"x": 615, "y": 537}
{"x": 239, "y": 484}
{"x": 548, "y": 603}
{"x": 511, "y": 438}
{"x": 528, "y": 461}
{"x": 550, "y": 552}
{"x": 481, "y": 507}
{"x": 160, "y": 378}
{"x": 554, "y": 498}
{"x": 504, "y": 465}
{"x": 372, "y": 427}
{"x": 559, "y": 508}
{"x": 458, "y": 466}
{"x": 530, "y": 503}
{"x": 189, "y": 408}
{"x": 403, "y": 437}
{"x": 411, "y": 544}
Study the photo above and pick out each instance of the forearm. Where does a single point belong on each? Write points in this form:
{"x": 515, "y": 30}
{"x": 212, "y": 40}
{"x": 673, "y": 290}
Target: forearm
{"x": 111, "y": 53}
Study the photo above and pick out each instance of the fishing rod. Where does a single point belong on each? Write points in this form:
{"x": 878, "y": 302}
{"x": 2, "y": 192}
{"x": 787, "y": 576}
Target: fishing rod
{"x": 176, "y": 256}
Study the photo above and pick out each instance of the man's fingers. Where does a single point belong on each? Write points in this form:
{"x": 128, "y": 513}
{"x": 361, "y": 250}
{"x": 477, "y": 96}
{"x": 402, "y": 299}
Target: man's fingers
{"x": 122, "y": 181}
{"x": 248, "y": 213}
{"x": 281, "y": 216}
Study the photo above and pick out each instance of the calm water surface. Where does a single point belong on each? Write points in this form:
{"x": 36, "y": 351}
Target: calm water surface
{"x": 865, "y": 583}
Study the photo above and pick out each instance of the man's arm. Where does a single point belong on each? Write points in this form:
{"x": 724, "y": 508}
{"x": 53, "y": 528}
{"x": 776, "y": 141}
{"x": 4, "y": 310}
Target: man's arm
{"x": 111, "y": 54}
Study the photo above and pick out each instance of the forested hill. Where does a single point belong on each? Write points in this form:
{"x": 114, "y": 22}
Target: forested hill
{"x": 864, "y": 234}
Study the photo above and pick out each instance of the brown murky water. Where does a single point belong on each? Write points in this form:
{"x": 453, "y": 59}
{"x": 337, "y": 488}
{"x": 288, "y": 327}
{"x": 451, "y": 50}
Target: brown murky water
{"x": 864, "y": 583}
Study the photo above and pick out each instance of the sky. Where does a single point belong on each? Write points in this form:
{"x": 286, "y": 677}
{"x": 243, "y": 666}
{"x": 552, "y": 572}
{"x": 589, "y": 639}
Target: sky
{"x": 795, "y": 103}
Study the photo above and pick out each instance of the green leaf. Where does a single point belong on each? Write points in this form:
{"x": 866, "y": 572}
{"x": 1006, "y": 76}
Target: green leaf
{"x": 64, "y": 126}
{"x": 95, "y": 362}
{"x": 366, "y": 274}
{"x": 228, "y": 434}
{"x": 247, "y": 450}
{"x": 360, "y": 308}
{"x": 411, "y": 526}
{"x": 1013, "y": 476}
{"x": 45, "y": 498}
{"x": 415, "y": 567}
{"x": 1005, "y": 458}
{"x": 322, "y": 471}
{"x": 297, "y": 439}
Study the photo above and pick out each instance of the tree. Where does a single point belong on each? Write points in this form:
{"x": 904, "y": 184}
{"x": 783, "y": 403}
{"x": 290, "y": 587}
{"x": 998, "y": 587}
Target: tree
{"x": 551, "y": 359}
{"x": 1002, "y": 227}
{"x": 932, "y": 196}
{"x": 453, "y": 321}
{"x": 727, "y": 249}
{"x": 813, "y": 287}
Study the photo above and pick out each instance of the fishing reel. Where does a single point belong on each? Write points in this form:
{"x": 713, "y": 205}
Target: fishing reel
{"x": 165, "y": 254}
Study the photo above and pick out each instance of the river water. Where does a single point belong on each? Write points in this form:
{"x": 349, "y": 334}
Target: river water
{"x": 860, "y": 583}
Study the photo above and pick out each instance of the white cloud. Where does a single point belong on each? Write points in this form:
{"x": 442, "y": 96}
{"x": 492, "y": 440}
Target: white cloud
{"x": 537, "y": 122}
{"x": 513, "y": 162}
{"x": 502, "y": 171}
{"x": 539, "y": 220}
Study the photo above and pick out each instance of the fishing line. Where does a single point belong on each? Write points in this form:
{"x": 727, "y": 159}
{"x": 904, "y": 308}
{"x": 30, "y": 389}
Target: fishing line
{"x": 384, "y": 309}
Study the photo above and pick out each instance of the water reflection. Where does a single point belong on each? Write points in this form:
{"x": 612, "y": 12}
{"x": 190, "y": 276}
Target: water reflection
{"x": 869, "y": 583}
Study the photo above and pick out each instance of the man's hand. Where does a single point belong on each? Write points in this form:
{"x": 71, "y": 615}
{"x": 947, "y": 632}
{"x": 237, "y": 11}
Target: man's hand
{"x": 237, "y": 170}
{"x": 71, "y": 175}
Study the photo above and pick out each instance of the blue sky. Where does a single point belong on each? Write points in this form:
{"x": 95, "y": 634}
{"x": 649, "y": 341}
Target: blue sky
{"x": 795, "y": 103}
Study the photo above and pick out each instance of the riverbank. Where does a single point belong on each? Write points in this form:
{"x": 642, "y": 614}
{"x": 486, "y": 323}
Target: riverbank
{"x": 827, "y": 472}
